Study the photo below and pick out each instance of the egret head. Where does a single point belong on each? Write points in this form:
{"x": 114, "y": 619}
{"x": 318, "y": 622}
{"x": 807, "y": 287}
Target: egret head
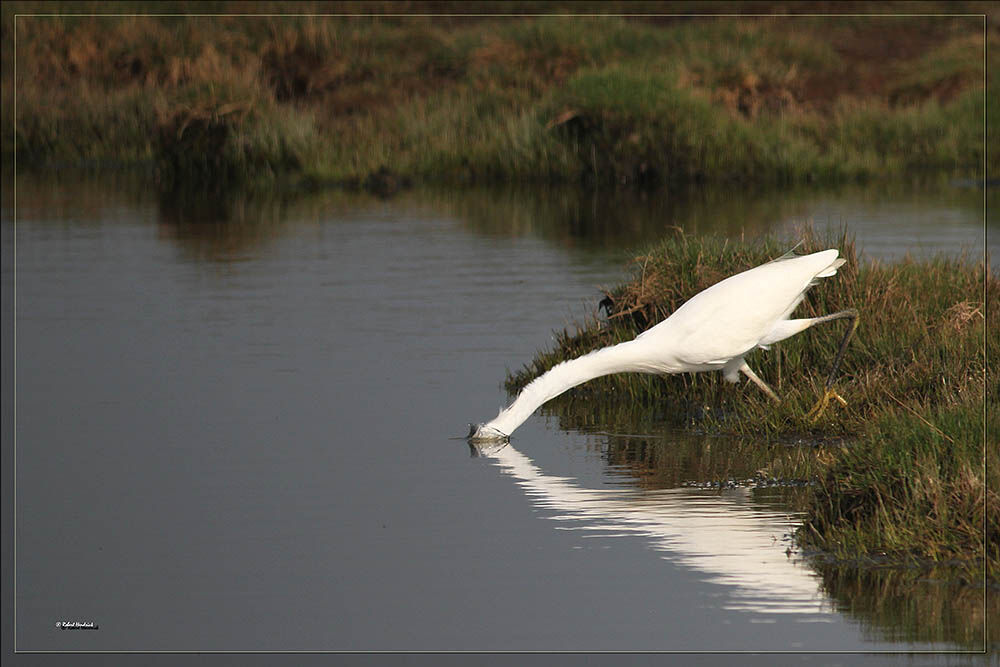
{"x": 484, "y": 433}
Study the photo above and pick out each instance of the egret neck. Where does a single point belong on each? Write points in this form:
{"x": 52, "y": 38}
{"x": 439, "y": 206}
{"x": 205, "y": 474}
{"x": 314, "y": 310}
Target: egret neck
{"x": 630, "y": 357}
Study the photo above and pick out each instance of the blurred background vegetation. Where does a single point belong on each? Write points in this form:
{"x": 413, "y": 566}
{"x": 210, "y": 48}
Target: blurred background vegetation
{"x": 382, "y": 100}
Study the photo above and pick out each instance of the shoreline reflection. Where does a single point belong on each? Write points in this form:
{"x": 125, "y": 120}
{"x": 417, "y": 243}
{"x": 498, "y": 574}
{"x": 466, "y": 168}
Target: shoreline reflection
{"x": 722, "y": 535}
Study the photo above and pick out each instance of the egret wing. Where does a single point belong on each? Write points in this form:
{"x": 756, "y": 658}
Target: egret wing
{"x": 733, "y": 316}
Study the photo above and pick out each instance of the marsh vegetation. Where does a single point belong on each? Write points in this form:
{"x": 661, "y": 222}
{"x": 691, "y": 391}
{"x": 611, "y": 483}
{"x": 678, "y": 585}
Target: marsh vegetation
{"x": 902, "y": 469}
{"x": 379, "y": 101}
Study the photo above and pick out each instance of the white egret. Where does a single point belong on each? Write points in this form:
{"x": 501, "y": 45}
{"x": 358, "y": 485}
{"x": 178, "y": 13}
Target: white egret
{"x": 713, "y": 330}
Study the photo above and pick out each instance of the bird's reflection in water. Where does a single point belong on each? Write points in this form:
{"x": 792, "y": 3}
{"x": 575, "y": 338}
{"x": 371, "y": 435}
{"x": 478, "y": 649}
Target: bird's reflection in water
{"x": 722, "y": 535}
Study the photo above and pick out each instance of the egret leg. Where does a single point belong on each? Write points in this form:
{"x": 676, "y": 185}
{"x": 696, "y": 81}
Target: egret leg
{"x": 757, "y": 381}
{"x": 829, "y": 392}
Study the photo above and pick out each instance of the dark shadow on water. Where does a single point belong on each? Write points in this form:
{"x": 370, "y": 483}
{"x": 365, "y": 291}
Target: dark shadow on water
{"x": 914, "y": 605}
{"x": 621, "y": 219}
{"x": 225, "y": 227}
{"x": 644, "y": 446}
{"x": 234, "y": 224}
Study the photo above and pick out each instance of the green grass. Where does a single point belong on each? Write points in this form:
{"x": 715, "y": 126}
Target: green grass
{"x": 908, "y": 478}
{"x": 548, "y": 99}
{"x": 912, "y": 488}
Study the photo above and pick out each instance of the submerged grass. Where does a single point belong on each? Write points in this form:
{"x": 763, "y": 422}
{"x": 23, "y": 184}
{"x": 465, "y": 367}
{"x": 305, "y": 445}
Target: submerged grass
{"x": 907, "y": 478}
{"x": 570, "y": 99}
{"x": 900, "y": 604}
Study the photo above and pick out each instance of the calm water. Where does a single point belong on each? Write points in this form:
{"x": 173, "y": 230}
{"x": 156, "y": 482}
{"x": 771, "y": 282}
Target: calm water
{"x": 236, "y": 422}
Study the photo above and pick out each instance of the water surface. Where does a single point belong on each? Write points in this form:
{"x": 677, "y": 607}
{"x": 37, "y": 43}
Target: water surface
{"x": 235, "y": 420}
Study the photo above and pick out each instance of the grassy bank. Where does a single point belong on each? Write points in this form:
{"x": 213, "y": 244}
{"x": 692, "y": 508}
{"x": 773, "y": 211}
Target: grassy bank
{"x": 380, "y": 101}
{"x": 903, "y": 477}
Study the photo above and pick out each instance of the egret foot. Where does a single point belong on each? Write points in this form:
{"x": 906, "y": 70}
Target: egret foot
{"x": 820, "y": 407}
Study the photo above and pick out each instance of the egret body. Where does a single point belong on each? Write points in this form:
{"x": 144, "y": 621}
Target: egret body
{"x": 712, "y": 331}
